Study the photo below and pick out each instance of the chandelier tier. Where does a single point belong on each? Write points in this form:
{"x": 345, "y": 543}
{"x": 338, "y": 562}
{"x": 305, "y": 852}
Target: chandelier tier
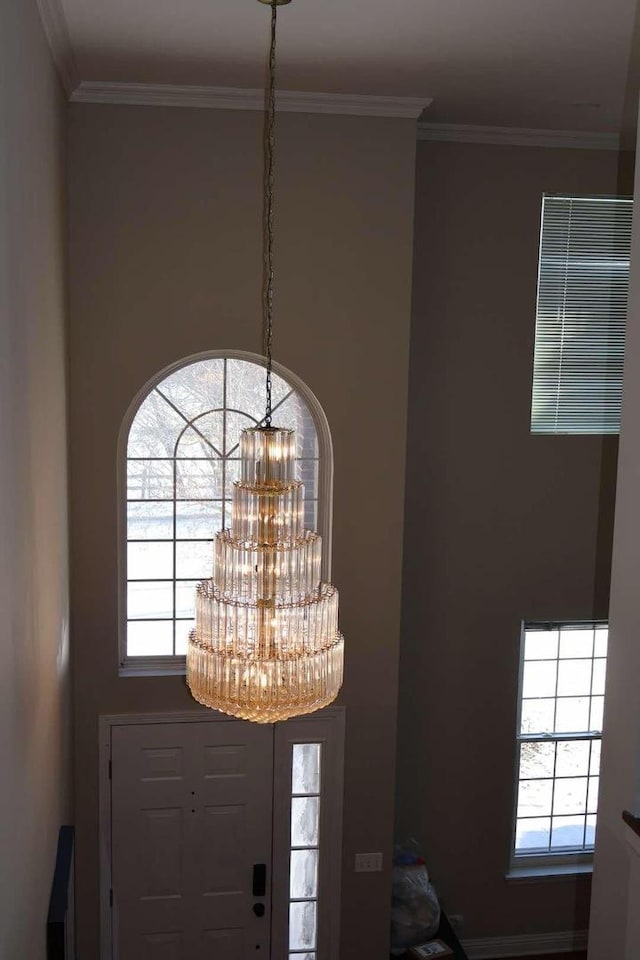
{"x": 266, "y": 644}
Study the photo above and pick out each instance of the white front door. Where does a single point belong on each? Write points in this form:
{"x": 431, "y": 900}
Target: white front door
{"x": 191, "y": 825}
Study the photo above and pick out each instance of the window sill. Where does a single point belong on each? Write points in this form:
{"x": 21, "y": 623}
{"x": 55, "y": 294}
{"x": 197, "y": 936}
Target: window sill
{"x": 153, "y": 667}
{"x": 531, "y": 874}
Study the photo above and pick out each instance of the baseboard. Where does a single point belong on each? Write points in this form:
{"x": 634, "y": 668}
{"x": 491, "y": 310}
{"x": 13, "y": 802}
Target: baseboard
{"x": 527, "y": 945}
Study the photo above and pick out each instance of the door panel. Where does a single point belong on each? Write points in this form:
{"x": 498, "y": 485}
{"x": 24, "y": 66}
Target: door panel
{"x": 223, "y": 944}
{"x": 161, "y": 946}
{"x": 223, "y": 850}
{"x": 191, "y": 814}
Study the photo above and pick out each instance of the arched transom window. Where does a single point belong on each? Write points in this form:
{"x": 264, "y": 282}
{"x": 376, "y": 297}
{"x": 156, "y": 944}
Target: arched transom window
{"x": 180, "y": 456}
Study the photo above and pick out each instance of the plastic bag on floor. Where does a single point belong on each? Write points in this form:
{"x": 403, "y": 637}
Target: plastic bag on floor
{"x": 415, "y": 911}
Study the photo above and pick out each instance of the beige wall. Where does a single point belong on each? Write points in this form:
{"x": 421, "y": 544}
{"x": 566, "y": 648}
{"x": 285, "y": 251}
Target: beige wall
{"x": 615, "y": 878}
{"x": 500, "y": 525}
{"x": 34, "y": 667}
{"x": 165, "y": 224}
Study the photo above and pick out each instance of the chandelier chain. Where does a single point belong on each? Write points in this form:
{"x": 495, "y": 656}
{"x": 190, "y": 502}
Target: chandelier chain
{"x": 269, "y": 170}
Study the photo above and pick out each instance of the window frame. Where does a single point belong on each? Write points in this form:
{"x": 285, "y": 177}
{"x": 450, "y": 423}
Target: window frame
{"x": 328, "y": 729}
{"x": 564, "y": 862}
{"x": 603, "y": 418}
{"x": 175, "y": 665}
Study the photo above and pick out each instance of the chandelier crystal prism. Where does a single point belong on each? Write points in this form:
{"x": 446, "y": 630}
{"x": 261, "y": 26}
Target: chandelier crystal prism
{"x": 266, "y": 644}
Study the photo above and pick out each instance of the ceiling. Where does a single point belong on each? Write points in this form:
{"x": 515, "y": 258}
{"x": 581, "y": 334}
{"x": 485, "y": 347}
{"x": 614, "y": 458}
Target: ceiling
{"x": 554, "y": 64}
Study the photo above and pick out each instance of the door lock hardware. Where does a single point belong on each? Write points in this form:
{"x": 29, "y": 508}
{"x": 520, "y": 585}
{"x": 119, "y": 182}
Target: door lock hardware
{"x": 259, "y": 879}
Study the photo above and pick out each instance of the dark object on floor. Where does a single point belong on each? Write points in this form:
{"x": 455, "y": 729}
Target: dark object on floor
{"x": 447, "y": 934}
{"x": 433, "y": 950}
{"x": 60, "y": 918}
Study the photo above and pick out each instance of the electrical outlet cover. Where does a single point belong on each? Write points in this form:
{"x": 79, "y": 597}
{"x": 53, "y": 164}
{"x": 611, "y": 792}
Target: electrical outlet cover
{"x": 368, "y": 862}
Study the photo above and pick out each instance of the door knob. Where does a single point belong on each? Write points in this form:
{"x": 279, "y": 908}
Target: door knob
{"x": 258, "y": 909}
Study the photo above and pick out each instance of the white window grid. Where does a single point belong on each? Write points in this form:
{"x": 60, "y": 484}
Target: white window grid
{"x": 155, "y": 504}
{"x": 304, "y": 853}
{"x": 562, "y": 677}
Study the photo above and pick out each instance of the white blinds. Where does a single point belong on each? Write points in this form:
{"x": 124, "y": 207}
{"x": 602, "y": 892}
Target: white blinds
{"x": 583, "y": 282}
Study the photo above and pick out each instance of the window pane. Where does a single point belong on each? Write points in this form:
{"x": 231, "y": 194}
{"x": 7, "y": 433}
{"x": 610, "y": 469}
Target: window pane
{"x": 590, "y": 833}
{"x": 537, "y": 716}
{"x": 573, "y": 758}
{"x": 232, "y": 473}
{"x": 155, "y": 429}
{"x": 541, "y": 645}
{"x": 198, "y": 520}
{"x": 305, "y": 821}
{"x": 204, "y": 438}
{"x": 186, "y": 598}
{"x": 149, "y": 480}
{"x": 150, "y": 521}
{"x": 594, "y": 766}
{"x": 599, "y": 676}
{"x": 574, "y": 678}
{"x": 572, "y": 715}
{"x": 149, "y": 639}
{"x": 246, "y": 389}
{"x": 533, "y": 834}
{"x": 601, "y": 642}
{"x": 236, "y": 423}
{"x": 183, "y": 629}
{"x": 570, "y": 795}
{"x": 567, "y": 832}
{"x": 304, "y": 874}
{"x": 292, "y": 412}
{"x": 311, "y": 514}
{"x": 534, "y": 798}
{"x": 537, "y": 760}
{"x": 302, "y": 925}
{"x": 539, "y": 678}
{"x": 149, "y": 561}
{"x": 194, "y": 559}
{"x": 592, "y": 794}
{"x": 305, "y": 769}
{"x": 150, "y": 600}
{"x": 308, "y": 473}
{"x": 195, "y": 387}
{"x": 198, "y": 479}
{"x": 576, "y": 643}
{"x": 597, "y": 714}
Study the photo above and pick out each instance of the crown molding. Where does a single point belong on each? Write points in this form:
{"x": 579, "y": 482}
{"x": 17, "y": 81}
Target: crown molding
{"x": 230, "y": 98}
{"x": 492, "y": 947}
{"x": 56, "y": 31}
{"x": 518, "y": 136}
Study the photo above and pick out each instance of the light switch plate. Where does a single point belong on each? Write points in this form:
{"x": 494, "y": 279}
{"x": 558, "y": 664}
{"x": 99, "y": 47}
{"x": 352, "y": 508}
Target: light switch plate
{"x": 368, "y": 862}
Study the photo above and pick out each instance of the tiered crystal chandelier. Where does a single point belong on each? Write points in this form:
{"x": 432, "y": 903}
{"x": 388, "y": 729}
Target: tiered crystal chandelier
{"x": 266, "y": 644}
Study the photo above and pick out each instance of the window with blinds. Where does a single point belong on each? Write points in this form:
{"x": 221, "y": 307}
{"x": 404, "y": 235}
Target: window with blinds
{"x": 583, "y": 284}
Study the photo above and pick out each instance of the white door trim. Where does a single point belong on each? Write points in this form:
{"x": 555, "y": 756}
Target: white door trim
{"x": 105, "y": 726}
